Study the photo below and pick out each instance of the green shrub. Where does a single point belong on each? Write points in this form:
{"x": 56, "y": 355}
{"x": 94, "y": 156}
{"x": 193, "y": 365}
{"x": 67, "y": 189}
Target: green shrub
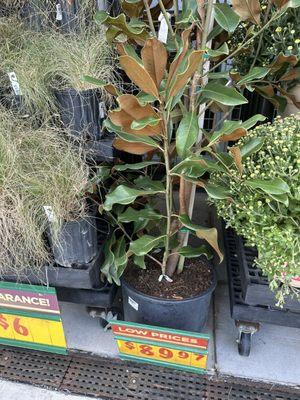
{"x": 269, "y": 221}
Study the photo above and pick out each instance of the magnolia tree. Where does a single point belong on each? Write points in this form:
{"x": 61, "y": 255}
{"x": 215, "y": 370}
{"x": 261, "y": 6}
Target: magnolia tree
{"x": 176, "y": 77}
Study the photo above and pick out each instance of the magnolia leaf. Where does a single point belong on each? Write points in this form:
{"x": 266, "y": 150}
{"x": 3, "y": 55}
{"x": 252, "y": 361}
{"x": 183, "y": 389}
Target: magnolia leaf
{"x": 102, "y": 172}
{"x": 231, "y": 130}
{"x": 155, "y": 56}
{"x": 248, "y": 10}
{"x": 291, "y": 3}
{"x": 142, "y": 123}
{"x": 180, "y": 55}
{"x": 226, "y": 17}
{"x": 218, "y": 75}
{"x": 216, "y": 53}
{"x": 120, "y": 255}
{"x": 131, "y": 110}
{"x": 125, "y": 49}
{"x": 139, "y": 261}
{"x": 186, "y": 134}
{"x": 281, "y": 59}
{"x": 119, "y": 23}
{"x": 193, "y": 61}
{"x": 108, "y": 267}
{"x": 222, "y": 94}
{"x": 136, "y": 166}
{"x": 145, "y": 182}
{"x": 98, "y": 82}
{"x": 270, "y": 186}
{"x": 132, "y": 148}
{"x": 291, "y": 75}
{"x": 129, "y": 137}
{"x": 144, "y": 98}
{"x": 194, "y": 252}
{"x": 236, "y": 154}
{"x": 208, "y": 234}
{"x": 138, "y": 74}
{"x": 145, "y": 244}
{"x": 133, "y": 9}
{"x": 124, "y": 195}
{"x": 202, "y": 164}
{"x": 267, "y": 92}
{"x": 249, "y": 123}
{"x": 252, "y": 146}
{"x": 254, "y": 74}
{"x": 216, "y": 191}
{"x": 131, "y": 215}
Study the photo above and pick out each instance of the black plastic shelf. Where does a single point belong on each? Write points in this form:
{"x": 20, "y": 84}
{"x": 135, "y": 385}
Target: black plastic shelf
{"x": 245, "y": 281}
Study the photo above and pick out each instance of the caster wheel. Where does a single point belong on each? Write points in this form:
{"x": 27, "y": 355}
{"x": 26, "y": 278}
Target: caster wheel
{"x": 244, "y": 344}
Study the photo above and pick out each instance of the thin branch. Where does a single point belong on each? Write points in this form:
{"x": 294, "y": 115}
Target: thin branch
{"x": 261, "y": 36}
{"x": 149, "y": 16}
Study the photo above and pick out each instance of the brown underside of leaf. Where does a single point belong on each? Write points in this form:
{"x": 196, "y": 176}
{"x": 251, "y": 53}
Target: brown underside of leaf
{"x": 131, "y": 110}
{"x": 155, "y": 57}
{"x": 279, "y": 3}
{"x": 111, "y": 89}
{"x": 247, "y": 10}
{"x": 138, "y": 75}
{"x": 155, "y": 11}
{"x": 133, "y": 10}
{"x": 290, "y": 75}
{"x": 282, "y": 59}
{"x": 177, "y": 61}
{"x": 211, "y": 236}
{"x": 235, "y": 135}
{"x": 181, "y": 79}
{"x": 236, "y": 154}
{"x": 131, "y": 147}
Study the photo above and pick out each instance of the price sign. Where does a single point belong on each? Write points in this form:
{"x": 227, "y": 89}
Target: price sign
{"x": 30, "y": 317}
{"x": 162, "y": 346}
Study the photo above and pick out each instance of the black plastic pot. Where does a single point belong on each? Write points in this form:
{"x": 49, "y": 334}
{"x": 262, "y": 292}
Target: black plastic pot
{"x": 76, "y": 243}
{"x": 37, "y": 15}
{"x": 79, "y": 111}
{"x": 188, "y": 314}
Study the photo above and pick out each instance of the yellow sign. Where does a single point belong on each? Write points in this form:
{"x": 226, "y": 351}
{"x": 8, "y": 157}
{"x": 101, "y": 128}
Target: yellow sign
{"x": 162, "y": 346}
{"x": 33, "y": 330}
{"x": 30, "y": 317}
{"x": 163, "y": 354}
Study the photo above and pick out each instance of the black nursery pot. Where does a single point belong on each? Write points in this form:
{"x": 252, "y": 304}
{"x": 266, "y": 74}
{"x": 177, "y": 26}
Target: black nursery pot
{"x": 188, "y": 314}
{"x": 79, "y": 111}
{"x": 76, "y": 243}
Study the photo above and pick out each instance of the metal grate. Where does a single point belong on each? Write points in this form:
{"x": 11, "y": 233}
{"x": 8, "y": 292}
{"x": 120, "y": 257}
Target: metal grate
{"x": 114, "y": 379}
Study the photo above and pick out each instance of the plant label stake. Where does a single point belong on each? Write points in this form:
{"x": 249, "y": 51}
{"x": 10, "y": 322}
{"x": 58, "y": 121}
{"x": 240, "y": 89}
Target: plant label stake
{"x": 30, "y": 318}
{"x": 163, "y": 28}
{"x": 14, "y": 83}
{"x": 161, "y": 346}
{"x": 59, "y": 15}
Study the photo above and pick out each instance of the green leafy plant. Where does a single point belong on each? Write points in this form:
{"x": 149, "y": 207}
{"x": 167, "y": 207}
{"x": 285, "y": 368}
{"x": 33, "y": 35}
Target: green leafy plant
{"x": 175, "y": 86}
{"x": 263, "y": 199}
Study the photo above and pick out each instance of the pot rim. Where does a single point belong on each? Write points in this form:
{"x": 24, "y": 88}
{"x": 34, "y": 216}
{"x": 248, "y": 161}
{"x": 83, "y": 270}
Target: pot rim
{"x": 210, "y": 289}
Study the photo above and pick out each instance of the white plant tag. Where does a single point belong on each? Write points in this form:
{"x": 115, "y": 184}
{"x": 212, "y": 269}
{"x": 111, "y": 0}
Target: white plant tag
{"x": 166, "y": 277}
{"x": 14, "y": 83}
{"x": 163, "y": 28}
{"x": 133, "y": 303}
{"x": 59, "y": 15}
{"x": 49, "y": 213}
{"x": 102, "y": 109}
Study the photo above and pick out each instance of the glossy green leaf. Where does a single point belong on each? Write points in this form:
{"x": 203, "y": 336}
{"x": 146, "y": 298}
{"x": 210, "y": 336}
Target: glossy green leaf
{"x": 186, "y": 134}
{"x": 217, "y": 191}
{"x": 208, "y": 234}
{"x": 124, "y": 195}
{"x": 252, "y": 146}
{"x": 144, "y": 98}
{"x": 139, "y": 261}
{"x": 145, "y": 244}
{"x": 138, "y": 215}
{"x": 194, "y": 252}
{"x": 134, "y": 167}
{"x": 223, "y": 94}
{"x": 255, "y": 74}
{"x": 201, "y": 164}
{"x": 146, "y": 183}
{"x": 108, "y": 268}
{"x": 270, "y": 186}
{"x": 120, "y": 256}
{"x": 129, "y": 137}
{"x": 226, "y": 17}
{"x": 142, "y": 123}
{"x": 93, "y": 81}
{"x": 223, "y": 49}
{"x": 249, "y": 123}
{"x": 281, "y": 198}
